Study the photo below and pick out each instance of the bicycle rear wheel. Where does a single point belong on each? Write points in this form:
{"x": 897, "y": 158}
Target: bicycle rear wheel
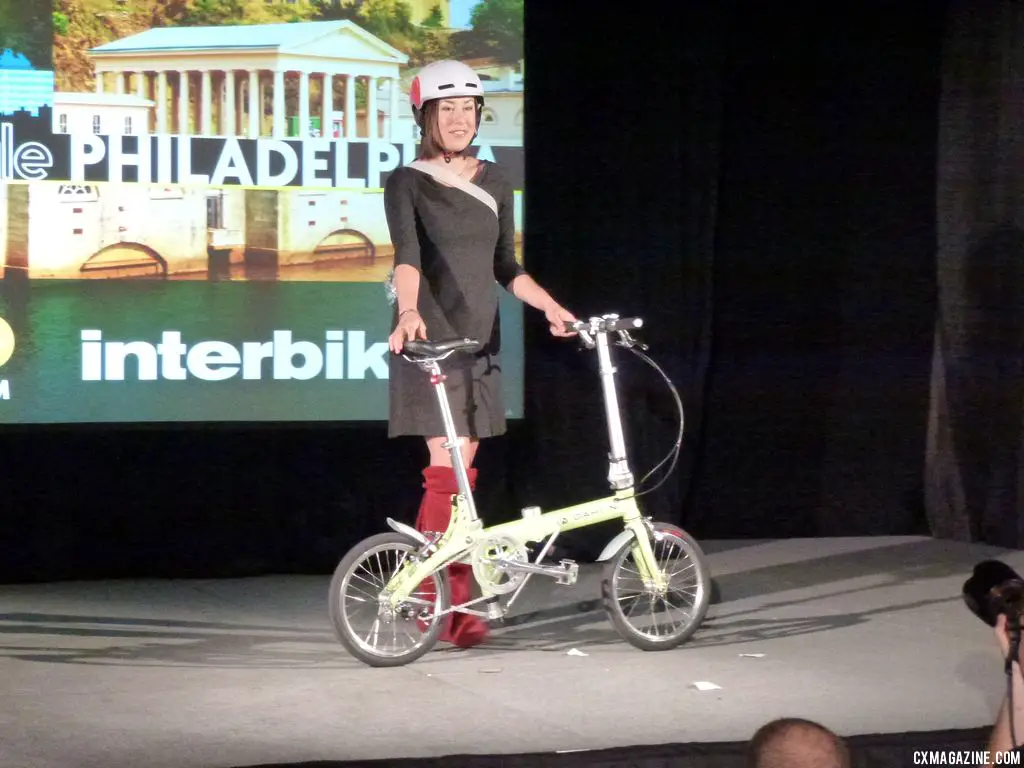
{"x": 645, "y": 618}
{"x": 369, "y": 631}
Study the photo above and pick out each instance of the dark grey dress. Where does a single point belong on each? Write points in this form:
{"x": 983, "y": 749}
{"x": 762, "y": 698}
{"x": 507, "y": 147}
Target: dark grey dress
{"x": 463, "y": 252}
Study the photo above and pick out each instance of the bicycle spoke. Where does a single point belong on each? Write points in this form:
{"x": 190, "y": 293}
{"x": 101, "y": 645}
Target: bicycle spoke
{"x": 689, "y": 567}
{"x": 372, "y": 581}
{"x": 634, "y": 605}
{"x": 368, "y": 595}
{"x": 373, "y": 630}
{"x": 678, "y": 608}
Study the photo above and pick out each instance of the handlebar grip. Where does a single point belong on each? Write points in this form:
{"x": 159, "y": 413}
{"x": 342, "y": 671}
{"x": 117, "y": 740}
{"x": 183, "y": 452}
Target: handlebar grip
{"x": 624, "y": 324}
{"x": 605, "y": 325}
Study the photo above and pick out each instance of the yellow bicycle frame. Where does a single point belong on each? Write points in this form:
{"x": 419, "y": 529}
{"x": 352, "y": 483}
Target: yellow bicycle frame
{"x": 463, "y": 535}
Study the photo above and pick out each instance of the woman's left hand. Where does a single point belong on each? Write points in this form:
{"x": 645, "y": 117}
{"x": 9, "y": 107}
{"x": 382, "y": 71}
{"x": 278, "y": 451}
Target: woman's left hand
{"x": 557, "y": 317}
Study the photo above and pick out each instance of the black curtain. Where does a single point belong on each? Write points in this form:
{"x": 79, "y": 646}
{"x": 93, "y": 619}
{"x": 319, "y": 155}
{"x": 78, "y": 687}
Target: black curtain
{"x": 824, "y": 273}
{"x": 974, "y": 473}
{"x": 623, "y": 128}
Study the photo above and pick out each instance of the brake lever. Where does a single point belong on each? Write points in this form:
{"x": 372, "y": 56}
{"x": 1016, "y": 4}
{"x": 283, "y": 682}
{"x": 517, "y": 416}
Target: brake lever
{"x": 626, "y": 340}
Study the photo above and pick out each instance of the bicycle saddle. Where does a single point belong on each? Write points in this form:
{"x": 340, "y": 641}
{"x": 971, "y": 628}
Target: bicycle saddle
{"x": 425, "y": 350}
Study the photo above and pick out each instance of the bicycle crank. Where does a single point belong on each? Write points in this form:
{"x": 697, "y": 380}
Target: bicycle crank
{"x": 565, "y": 573}
{"x": 490, "y": 564}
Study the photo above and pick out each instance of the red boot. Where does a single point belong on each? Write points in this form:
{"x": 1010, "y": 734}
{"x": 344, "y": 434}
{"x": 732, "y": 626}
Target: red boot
{"x": 434, "y": 515}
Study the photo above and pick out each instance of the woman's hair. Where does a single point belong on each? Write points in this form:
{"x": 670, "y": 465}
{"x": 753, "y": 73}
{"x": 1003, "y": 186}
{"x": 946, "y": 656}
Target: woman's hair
{"x": 432, "y": 145}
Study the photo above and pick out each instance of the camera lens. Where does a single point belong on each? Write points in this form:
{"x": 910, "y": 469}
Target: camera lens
{"x": 994, "y": 588}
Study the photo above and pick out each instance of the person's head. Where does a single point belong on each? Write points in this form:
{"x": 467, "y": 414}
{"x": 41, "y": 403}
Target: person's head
{"x": 447, "y": 100}
{"x": 793, "y": 742}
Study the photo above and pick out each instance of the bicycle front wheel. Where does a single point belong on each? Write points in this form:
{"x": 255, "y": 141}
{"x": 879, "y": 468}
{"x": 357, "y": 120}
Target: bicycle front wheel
{"x": 368, "y": 629}
{"x": 649, "y": 619}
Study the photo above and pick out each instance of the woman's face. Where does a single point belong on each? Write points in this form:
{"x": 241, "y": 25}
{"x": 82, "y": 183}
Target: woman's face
{"x": 456, "y": 121}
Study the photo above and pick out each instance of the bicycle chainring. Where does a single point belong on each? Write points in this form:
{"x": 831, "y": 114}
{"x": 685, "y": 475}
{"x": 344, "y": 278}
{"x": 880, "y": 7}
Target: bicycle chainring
{"x": 495, "y": 578}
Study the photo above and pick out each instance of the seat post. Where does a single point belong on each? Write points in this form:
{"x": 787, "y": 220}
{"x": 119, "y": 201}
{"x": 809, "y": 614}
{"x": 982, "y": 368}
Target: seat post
{"x": 452, "y": 443}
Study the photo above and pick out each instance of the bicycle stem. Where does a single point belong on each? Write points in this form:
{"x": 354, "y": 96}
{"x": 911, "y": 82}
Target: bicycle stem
{"x": 619, "y": 474}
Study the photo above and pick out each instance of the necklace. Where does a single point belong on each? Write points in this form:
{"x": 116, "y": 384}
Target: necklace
{"x": 468, "y": 168}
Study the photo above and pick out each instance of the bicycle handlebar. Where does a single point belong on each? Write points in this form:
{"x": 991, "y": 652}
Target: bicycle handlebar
{"x": 607, "y": 324}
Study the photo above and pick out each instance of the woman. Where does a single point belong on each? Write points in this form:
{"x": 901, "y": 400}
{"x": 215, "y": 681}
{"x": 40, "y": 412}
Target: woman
{"x": 452, "y": 225}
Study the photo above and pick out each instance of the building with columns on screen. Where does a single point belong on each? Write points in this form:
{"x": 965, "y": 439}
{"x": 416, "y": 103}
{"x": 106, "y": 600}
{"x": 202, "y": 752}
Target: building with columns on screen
{"x": 235, "y": 80}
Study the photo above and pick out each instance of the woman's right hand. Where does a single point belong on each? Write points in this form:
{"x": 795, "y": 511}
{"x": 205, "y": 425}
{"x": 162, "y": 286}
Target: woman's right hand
{"x": 410, "y": 326}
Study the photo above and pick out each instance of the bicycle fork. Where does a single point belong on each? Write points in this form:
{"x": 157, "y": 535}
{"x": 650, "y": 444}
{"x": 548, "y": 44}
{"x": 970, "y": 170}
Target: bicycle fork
{"x": 620, "y": 477}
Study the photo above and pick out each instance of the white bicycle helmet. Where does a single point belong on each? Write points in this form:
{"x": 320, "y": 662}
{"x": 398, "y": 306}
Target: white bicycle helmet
{"x": 444, "y": 80}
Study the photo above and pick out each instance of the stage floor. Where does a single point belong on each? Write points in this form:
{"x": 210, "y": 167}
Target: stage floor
{"x": 865, "y": 635}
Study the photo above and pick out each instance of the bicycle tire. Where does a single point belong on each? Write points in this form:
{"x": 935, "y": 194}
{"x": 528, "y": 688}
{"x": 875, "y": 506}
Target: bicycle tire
{"x": 343, "y": 630}
{"x": 613, "y": 605}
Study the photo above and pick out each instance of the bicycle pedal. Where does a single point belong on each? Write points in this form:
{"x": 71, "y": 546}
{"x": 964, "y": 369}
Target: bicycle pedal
{"x": 570, "y": 573}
